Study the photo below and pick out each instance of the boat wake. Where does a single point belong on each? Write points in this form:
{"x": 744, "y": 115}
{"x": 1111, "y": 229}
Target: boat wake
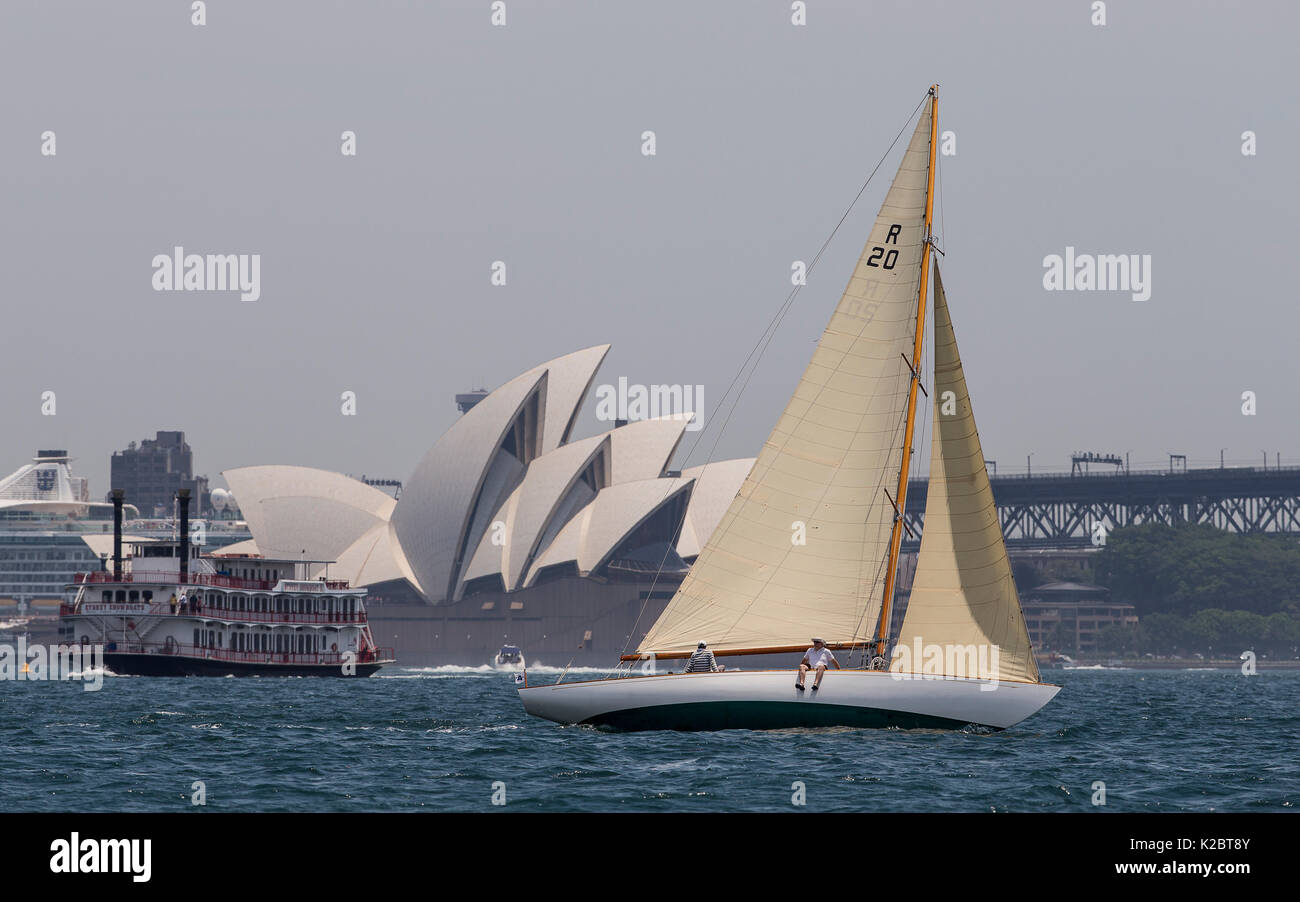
{"x": 90, "y": 673}
{"x": 543, "y": 669}
{"x": 442, "y": 672}
{"x": 448, "y": 671}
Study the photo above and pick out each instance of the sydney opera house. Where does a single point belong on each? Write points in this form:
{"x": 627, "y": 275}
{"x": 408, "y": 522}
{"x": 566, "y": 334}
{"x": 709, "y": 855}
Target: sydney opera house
{"x": 509, "y": 531}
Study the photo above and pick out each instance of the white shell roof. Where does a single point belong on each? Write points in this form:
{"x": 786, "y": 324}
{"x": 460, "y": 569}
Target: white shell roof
{"x": 466, "y": 481}
{"x": 433, "y": 517}
{"x": 373, "y": 558}
{"x": 529, "y": 509}
{"x": 568, "y": 381}
{"x": 643, "y": 449}
{"x": 591, "y": 536}
{"x": 716, "y": 485}
{"x": 291, "y": 509}
{"x": 437, "y": 500}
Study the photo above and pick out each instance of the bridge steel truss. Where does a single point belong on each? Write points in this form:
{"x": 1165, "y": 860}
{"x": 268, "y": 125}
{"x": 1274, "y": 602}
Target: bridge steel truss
{"x": 1059, "y": 510}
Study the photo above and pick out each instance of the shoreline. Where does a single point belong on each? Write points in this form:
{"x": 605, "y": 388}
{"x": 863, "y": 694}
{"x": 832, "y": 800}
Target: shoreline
{"x": 1169, "y": 664}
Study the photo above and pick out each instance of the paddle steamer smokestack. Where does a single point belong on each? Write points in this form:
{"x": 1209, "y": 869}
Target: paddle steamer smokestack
{"x": 183, "y": 499}
{"x": 117, "y": 535}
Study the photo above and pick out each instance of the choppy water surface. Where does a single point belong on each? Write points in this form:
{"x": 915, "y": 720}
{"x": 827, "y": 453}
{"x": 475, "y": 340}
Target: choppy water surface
{"x": 438, "y": 739}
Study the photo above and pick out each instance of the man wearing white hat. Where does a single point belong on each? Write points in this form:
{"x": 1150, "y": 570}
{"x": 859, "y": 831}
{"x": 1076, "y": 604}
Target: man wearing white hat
{"x": 816, "y": 658}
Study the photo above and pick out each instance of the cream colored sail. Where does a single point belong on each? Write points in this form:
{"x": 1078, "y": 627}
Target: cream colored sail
{"x": 964, "y": 602}
{"x": 822, "y": 476}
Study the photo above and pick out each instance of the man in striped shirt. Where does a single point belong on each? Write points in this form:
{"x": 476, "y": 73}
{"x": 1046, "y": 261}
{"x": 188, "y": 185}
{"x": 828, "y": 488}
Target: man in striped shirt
{"x": 702, "y": 661}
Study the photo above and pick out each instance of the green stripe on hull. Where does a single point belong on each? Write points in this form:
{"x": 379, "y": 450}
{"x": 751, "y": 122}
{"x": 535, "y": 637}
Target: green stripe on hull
{"x": 742, "y": 715}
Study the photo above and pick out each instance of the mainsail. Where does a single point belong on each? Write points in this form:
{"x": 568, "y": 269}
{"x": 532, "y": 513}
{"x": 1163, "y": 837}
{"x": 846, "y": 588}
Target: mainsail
{"x": 824, "y": 474}
{"x": 963, "y": 594}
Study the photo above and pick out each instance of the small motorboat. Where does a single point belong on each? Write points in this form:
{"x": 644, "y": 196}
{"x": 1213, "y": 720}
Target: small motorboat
{"x": 511, "y": 657}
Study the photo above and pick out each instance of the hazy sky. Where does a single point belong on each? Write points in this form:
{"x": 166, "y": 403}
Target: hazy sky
{"x": 523, "y": 144}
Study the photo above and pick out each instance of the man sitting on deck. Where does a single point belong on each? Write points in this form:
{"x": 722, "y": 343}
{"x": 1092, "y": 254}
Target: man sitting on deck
{"x": 702, "y": 661}
{"x": 816, "y": 658}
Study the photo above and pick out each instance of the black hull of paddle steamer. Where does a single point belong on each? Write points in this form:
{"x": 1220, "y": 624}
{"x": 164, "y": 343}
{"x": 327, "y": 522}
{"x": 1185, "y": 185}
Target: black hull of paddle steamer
{"x": 124, "y": 664}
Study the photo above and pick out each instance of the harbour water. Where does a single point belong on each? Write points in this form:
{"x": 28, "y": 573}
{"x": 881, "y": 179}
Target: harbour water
{"x": 447, "y": 739}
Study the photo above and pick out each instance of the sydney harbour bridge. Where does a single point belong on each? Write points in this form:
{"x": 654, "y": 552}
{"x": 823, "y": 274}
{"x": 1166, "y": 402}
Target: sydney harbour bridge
{"x": 1077, "y": 509}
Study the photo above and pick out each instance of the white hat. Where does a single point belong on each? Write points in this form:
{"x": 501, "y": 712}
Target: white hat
{"x": 816, "y": 640}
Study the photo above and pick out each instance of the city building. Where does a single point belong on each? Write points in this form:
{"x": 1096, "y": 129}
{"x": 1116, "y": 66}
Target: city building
{"x": 1068, "y": 617}
{"x": 151, "y": 473}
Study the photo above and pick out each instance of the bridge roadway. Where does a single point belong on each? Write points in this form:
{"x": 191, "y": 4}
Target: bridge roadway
{"x": 1060, "y": 510}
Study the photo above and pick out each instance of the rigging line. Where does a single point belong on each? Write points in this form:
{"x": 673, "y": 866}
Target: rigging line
{"x": 565, "y": 672}
{"x": 759, "y": 348}
{"x": 943, "y": 223}
{"x": 770, "y": 331}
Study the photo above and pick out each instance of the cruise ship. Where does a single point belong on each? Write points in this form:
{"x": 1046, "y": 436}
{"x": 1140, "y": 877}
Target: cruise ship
{"x": 50, "y": 530}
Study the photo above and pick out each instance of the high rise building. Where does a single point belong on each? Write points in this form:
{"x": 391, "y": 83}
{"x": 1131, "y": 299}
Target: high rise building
{"x": 151, "y": 473}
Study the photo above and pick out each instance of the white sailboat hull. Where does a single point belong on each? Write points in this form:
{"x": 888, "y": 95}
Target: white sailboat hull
{"x": 769, "y": 700}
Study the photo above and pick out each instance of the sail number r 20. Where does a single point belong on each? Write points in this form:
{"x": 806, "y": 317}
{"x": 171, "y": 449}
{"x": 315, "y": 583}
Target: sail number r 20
{"x": 878, "y": 252}
{"x": 890, "y": 259}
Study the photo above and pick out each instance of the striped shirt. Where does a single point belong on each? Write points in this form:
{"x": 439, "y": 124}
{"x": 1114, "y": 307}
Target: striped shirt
{"x": 701, "y": 662}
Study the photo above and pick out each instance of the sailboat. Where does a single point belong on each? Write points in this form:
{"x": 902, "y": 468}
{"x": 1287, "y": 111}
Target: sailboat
{"x": 962, "y": 654}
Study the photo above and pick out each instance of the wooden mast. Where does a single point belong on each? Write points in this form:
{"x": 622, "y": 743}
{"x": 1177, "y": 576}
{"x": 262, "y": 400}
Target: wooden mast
{"x": 900, "y": 506}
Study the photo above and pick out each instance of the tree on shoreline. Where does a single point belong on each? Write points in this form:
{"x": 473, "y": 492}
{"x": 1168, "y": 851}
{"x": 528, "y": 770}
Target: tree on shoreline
{"x": 1190, "y": 568}
{"x": 1207, "y": 632}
